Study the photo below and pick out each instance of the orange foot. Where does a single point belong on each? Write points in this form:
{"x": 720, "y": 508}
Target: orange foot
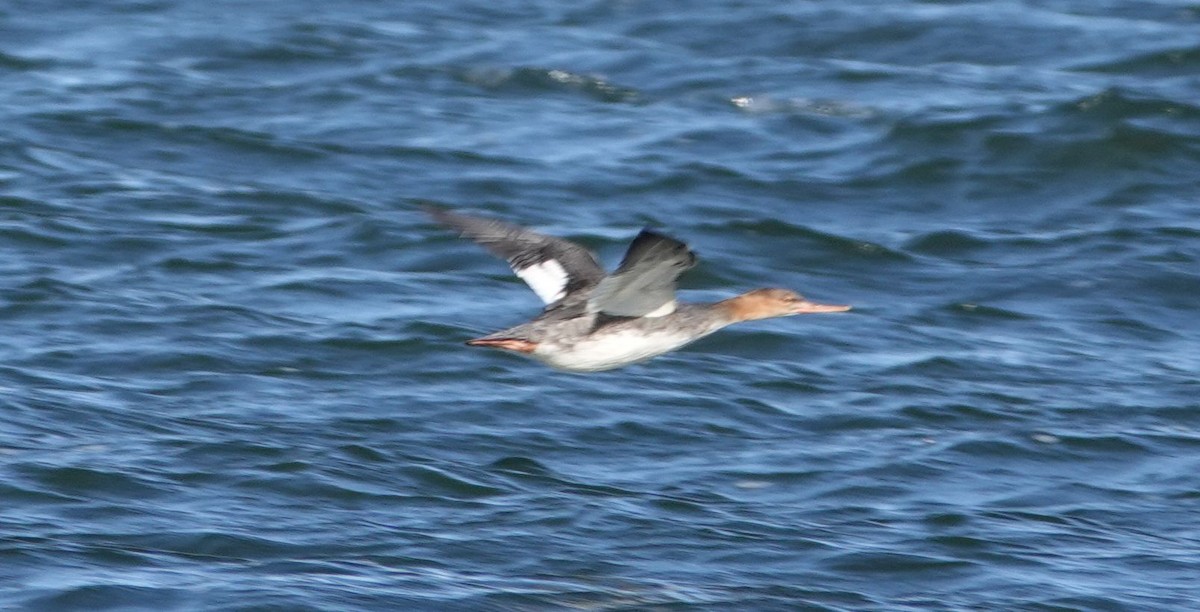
{"x": 509, "y": 344}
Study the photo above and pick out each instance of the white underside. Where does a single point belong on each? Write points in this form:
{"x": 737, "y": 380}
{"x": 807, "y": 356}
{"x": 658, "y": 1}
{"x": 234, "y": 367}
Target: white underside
{"x": 610, "y": 350}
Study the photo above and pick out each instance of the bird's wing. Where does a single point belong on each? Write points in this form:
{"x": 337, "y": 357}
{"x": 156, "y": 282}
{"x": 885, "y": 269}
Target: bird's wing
{"x": 644, "y": 284}
{"x": 551, "y": 266}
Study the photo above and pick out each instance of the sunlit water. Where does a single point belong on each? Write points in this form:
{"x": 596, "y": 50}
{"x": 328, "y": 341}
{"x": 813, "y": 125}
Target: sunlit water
{"x": 233, "y": 371}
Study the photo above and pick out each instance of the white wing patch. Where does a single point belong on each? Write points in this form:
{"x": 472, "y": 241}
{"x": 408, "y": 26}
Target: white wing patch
{"x": 662, "y": 311}
{"x": 548, "y": 280}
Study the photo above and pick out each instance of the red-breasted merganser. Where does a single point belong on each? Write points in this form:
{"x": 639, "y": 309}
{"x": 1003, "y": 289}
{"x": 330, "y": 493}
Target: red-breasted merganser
{"x": 595, "y": 321}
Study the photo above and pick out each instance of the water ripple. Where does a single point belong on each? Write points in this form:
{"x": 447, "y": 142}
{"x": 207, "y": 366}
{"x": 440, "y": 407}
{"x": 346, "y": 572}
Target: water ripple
{"x": 235, "y": 377}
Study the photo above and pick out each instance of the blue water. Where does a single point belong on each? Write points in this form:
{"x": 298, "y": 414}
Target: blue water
{"x": 233, "y": 375}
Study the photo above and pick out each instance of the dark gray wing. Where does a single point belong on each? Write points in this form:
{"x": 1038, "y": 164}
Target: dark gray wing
{"x": 644, "y": 283}
{"x": 551, "y": 266}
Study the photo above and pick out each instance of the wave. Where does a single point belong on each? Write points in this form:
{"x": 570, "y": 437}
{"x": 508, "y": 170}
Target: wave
{"x": 548, "y": 80}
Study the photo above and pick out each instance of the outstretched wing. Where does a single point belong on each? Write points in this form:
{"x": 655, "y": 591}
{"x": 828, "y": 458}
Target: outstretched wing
{"x": 551, "y": 266}
{"x": 644, "y": 283}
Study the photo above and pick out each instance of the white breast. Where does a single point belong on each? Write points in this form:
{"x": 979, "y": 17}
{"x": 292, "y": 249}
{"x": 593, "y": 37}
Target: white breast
{"x": 606, "y": 351}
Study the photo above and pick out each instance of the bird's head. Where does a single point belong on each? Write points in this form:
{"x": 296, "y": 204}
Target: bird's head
{"x": 767, "y": 303}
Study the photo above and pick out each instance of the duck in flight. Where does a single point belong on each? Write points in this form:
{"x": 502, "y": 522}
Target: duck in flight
{"x": 595, "y": 321}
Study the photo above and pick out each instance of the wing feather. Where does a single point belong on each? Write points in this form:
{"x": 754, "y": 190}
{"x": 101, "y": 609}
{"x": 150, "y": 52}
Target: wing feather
{"x": 551, "y": 266}
{"x": 644, "y": 284}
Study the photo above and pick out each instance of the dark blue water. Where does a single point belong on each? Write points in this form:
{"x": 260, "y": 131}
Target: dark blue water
{"x": 233, "y": 375}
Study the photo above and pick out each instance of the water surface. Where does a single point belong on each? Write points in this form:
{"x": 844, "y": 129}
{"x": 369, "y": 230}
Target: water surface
{"x": 233, "y": 376}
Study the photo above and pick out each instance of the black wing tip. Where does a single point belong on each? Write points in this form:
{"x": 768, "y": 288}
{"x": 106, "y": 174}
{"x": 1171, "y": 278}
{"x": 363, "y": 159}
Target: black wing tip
{"x": 439, "y": 213}
{"x": 446, "y": 215}
{"x": 467, "y": 225}
{"x": 650, "y": 241}
{"x": 648, "y": 233}
{"x": 648, "y": 238}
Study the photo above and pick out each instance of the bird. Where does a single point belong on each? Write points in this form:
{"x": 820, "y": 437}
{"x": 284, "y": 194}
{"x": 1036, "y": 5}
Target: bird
{"x": 594, "y": 321}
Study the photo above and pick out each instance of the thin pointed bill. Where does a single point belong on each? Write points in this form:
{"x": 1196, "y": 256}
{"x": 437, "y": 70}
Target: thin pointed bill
{"x": 813, "y": 307}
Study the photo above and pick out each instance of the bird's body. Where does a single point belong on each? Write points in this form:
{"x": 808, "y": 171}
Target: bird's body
{"x": 589, "y": 342}
{"x": 595, "y": 321}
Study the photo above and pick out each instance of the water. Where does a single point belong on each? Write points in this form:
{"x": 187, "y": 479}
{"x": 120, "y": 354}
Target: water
{"x": 234, "y": 378}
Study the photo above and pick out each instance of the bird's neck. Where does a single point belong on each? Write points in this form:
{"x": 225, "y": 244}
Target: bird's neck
{"x": 745, "y": 307}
